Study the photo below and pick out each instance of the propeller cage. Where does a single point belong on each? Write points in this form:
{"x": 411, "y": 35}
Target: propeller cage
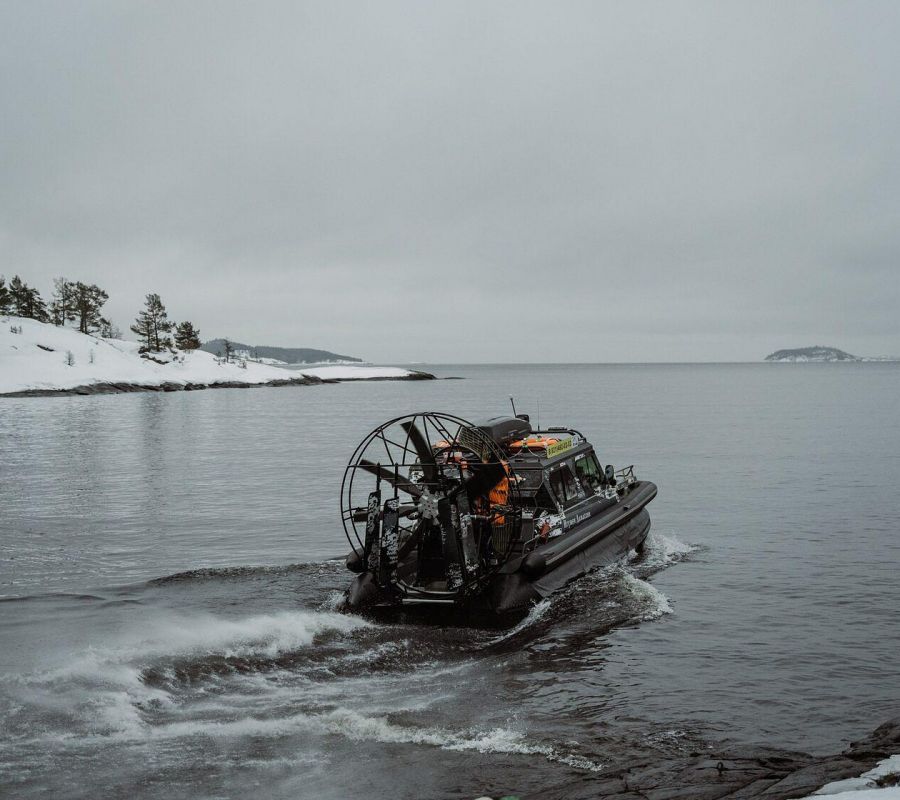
{"x": 430, "y": 506}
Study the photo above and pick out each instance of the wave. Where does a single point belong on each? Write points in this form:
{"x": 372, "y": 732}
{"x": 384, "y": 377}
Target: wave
{"x": 180, "y": 674}
{"x": 355, "y": 726}
{"x": 241, "y": 572}
{"x": 111, "y": 688}
{"x": 662, "y": 550}
{"x": 22, "y": 598}
{"x": 651, "y": 603}
{"x": 538, "y": 612}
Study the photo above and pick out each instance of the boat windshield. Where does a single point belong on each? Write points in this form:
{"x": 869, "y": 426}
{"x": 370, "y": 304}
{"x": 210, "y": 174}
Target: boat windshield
{"x": 563, "y": 484}
{"x": 588, "y": 471}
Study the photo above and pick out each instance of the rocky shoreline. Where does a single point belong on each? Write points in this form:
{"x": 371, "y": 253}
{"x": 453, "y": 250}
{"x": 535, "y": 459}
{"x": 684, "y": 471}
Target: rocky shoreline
{"x": 739, "y": 774}
{"x": 169, "y": 386}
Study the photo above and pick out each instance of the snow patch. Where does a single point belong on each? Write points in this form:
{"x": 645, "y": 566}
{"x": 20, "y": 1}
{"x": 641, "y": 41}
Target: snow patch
{"x": 866, "y": 786}
{"x": 351, "y": 373}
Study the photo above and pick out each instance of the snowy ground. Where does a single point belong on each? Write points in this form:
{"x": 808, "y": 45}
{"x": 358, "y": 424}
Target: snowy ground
{"x": 865, "y": 787}
{"x": 44, "y": 356}
{"x": 352, "y": 373}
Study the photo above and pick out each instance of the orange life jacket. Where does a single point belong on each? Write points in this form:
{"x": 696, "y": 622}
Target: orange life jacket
{"x": 499, "y": 495}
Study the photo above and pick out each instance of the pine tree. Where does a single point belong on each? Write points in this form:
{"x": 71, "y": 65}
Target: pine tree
{"x": 37, "y": 308}
{"x": 18, "y": 295}
{"x": 108, "y": 330}
{"x": 152, "y": 324}
{"x": 187, "y": 337}
{"x": 26, "y": 301}
{"x": 5, "y": 299}
{"x": 229, "y": 349}
{"x": 61, "y": 308}
{"x": 86, "y": 304}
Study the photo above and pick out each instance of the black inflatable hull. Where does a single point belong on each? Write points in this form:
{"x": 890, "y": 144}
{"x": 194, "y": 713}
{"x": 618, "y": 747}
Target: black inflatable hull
{"x": 602, "y": 540}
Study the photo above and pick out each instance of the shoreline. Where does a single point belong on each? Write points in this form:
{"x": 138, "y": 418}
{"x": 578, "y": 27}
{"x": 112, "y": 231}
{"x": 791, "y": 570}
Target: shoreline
{"x": 742, "y": 773}
{"x": 125, "y": 387}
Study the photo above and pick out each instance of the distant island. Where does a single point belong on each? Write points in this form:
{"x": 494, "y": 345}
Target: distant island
{"x": 815, "y": 353}
{"x": 286, "y": 355}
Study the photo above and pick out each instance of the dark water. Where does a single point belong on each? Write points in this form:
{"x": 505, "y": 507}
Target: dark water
{"x": 167, "y": 625}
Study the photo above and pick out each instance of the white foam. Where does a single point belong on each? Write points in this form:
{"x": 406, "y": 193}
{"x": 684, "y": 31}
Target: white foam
{"x": 104, "y": 690}
{"x": 672, "y": 546}
{"x": 654, "y": 602}
{"x": 538, "y": 610}
{"x": 333, "y": 601}
{"x": 664, "y": 549}
{"x": 355, "y": 726}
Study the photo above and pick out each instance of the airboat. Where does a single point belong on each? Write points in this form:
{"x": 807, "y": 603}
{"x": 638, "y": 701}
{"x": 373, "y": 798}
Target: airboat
{"x": 481, "y": 519}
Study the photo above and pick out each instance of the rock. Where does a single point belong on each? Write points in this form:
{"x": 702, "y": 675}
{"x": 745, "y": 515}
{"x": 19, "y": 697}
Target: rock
{"x": 169, "y": 386}
{"x": 749, "y": 774}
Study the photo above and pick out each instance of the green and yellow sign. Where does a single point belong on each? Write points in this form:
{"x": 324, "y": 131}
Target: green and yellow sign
{"x": 560, "y": 447}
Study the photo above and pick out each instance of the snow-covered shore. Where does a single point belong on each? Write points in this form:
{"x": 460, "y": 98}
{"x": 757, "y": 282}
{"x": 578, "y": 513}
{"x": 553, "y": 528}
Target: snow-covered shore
{"x": 356, "y": 373}
{"x": 37, "y": 357}
{"x": 879, "y": 783}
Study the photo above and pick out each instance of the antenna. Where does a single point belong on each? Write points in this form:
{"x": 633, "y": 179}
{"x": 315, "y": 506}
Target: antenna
{"x": 513, "y": 404}
{"x": 539, "y": 414}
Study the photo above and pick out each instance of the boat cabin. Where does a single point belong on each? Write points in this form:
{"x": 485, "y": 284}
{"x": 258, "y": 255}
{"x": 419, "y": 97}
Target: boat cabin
{"x": 559, "y": 479}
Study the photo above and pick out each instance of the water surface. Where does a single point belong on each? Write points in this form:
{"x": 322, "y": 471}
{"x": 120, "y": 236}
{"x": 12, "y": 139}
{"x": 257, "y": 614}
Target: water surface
{"x": 167, "y": 590}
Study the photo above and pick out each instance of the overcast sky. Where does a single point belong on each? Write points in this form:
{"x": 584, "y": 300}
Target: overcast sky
{"x": 455, "y": 181}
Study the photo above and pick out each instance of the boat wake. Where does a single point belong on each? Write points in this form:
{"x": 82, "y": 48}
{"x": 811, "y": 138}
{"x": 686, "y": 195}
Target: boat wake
{"x": 300, "y": 680}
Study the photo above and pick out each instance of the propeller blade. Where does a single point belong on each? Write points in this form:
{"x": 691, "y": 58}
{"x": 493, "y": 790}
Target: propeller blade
{"x": 403, "y": 484}
{"x": 361, "y": 514}
{"x": 413, "y": 539}
{"x": 450, "y": 544}
{"x": 373, "y": 532}
{"x": 467, "y": 535}
{"x": 390, "y": 531}
{"x": 423, "y": 450}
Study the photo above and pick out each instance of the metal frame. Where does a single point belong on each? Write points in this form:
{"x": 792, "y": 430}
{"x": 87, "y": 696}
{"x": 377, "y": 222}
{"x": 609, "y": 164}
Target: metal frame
{"x": 389, "y": 447}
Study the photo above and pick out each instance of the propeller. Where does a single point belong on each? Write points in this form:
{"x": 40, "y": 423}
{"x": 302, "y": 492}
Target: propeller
{"x": 428, "y": 540}
{"x": 450, "y": 544}
{"x": 423, "y": 450}
{"x": 413, "y": 539}
{"x": 403, "y": 484}
{"x": 361, "y": 513}
{"x": 484, "y": 478}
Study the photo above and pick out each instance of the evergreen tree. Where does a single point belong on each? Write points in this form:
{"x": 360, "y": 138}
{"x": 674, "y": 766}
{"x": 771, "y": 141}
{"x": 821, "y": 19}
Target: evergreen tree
{"x": 26, "y": 301}
{"x": 61, "y": 308}
{"x": 18, "y": 295}
{"x": 86, "y": 304}
{"x": 229, "y": 349}
{"x": 187, "y": 337}
{"x": 108, "y": 330}
{"x": 5, "y": 299}
{"x": 152, "y": 324}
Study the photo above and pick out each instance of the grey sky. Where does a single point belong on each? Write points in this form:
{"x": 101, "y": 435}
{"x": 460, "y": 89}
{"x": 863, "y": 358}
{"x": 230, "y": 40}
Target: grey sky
{"x": 465, "y": 181}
